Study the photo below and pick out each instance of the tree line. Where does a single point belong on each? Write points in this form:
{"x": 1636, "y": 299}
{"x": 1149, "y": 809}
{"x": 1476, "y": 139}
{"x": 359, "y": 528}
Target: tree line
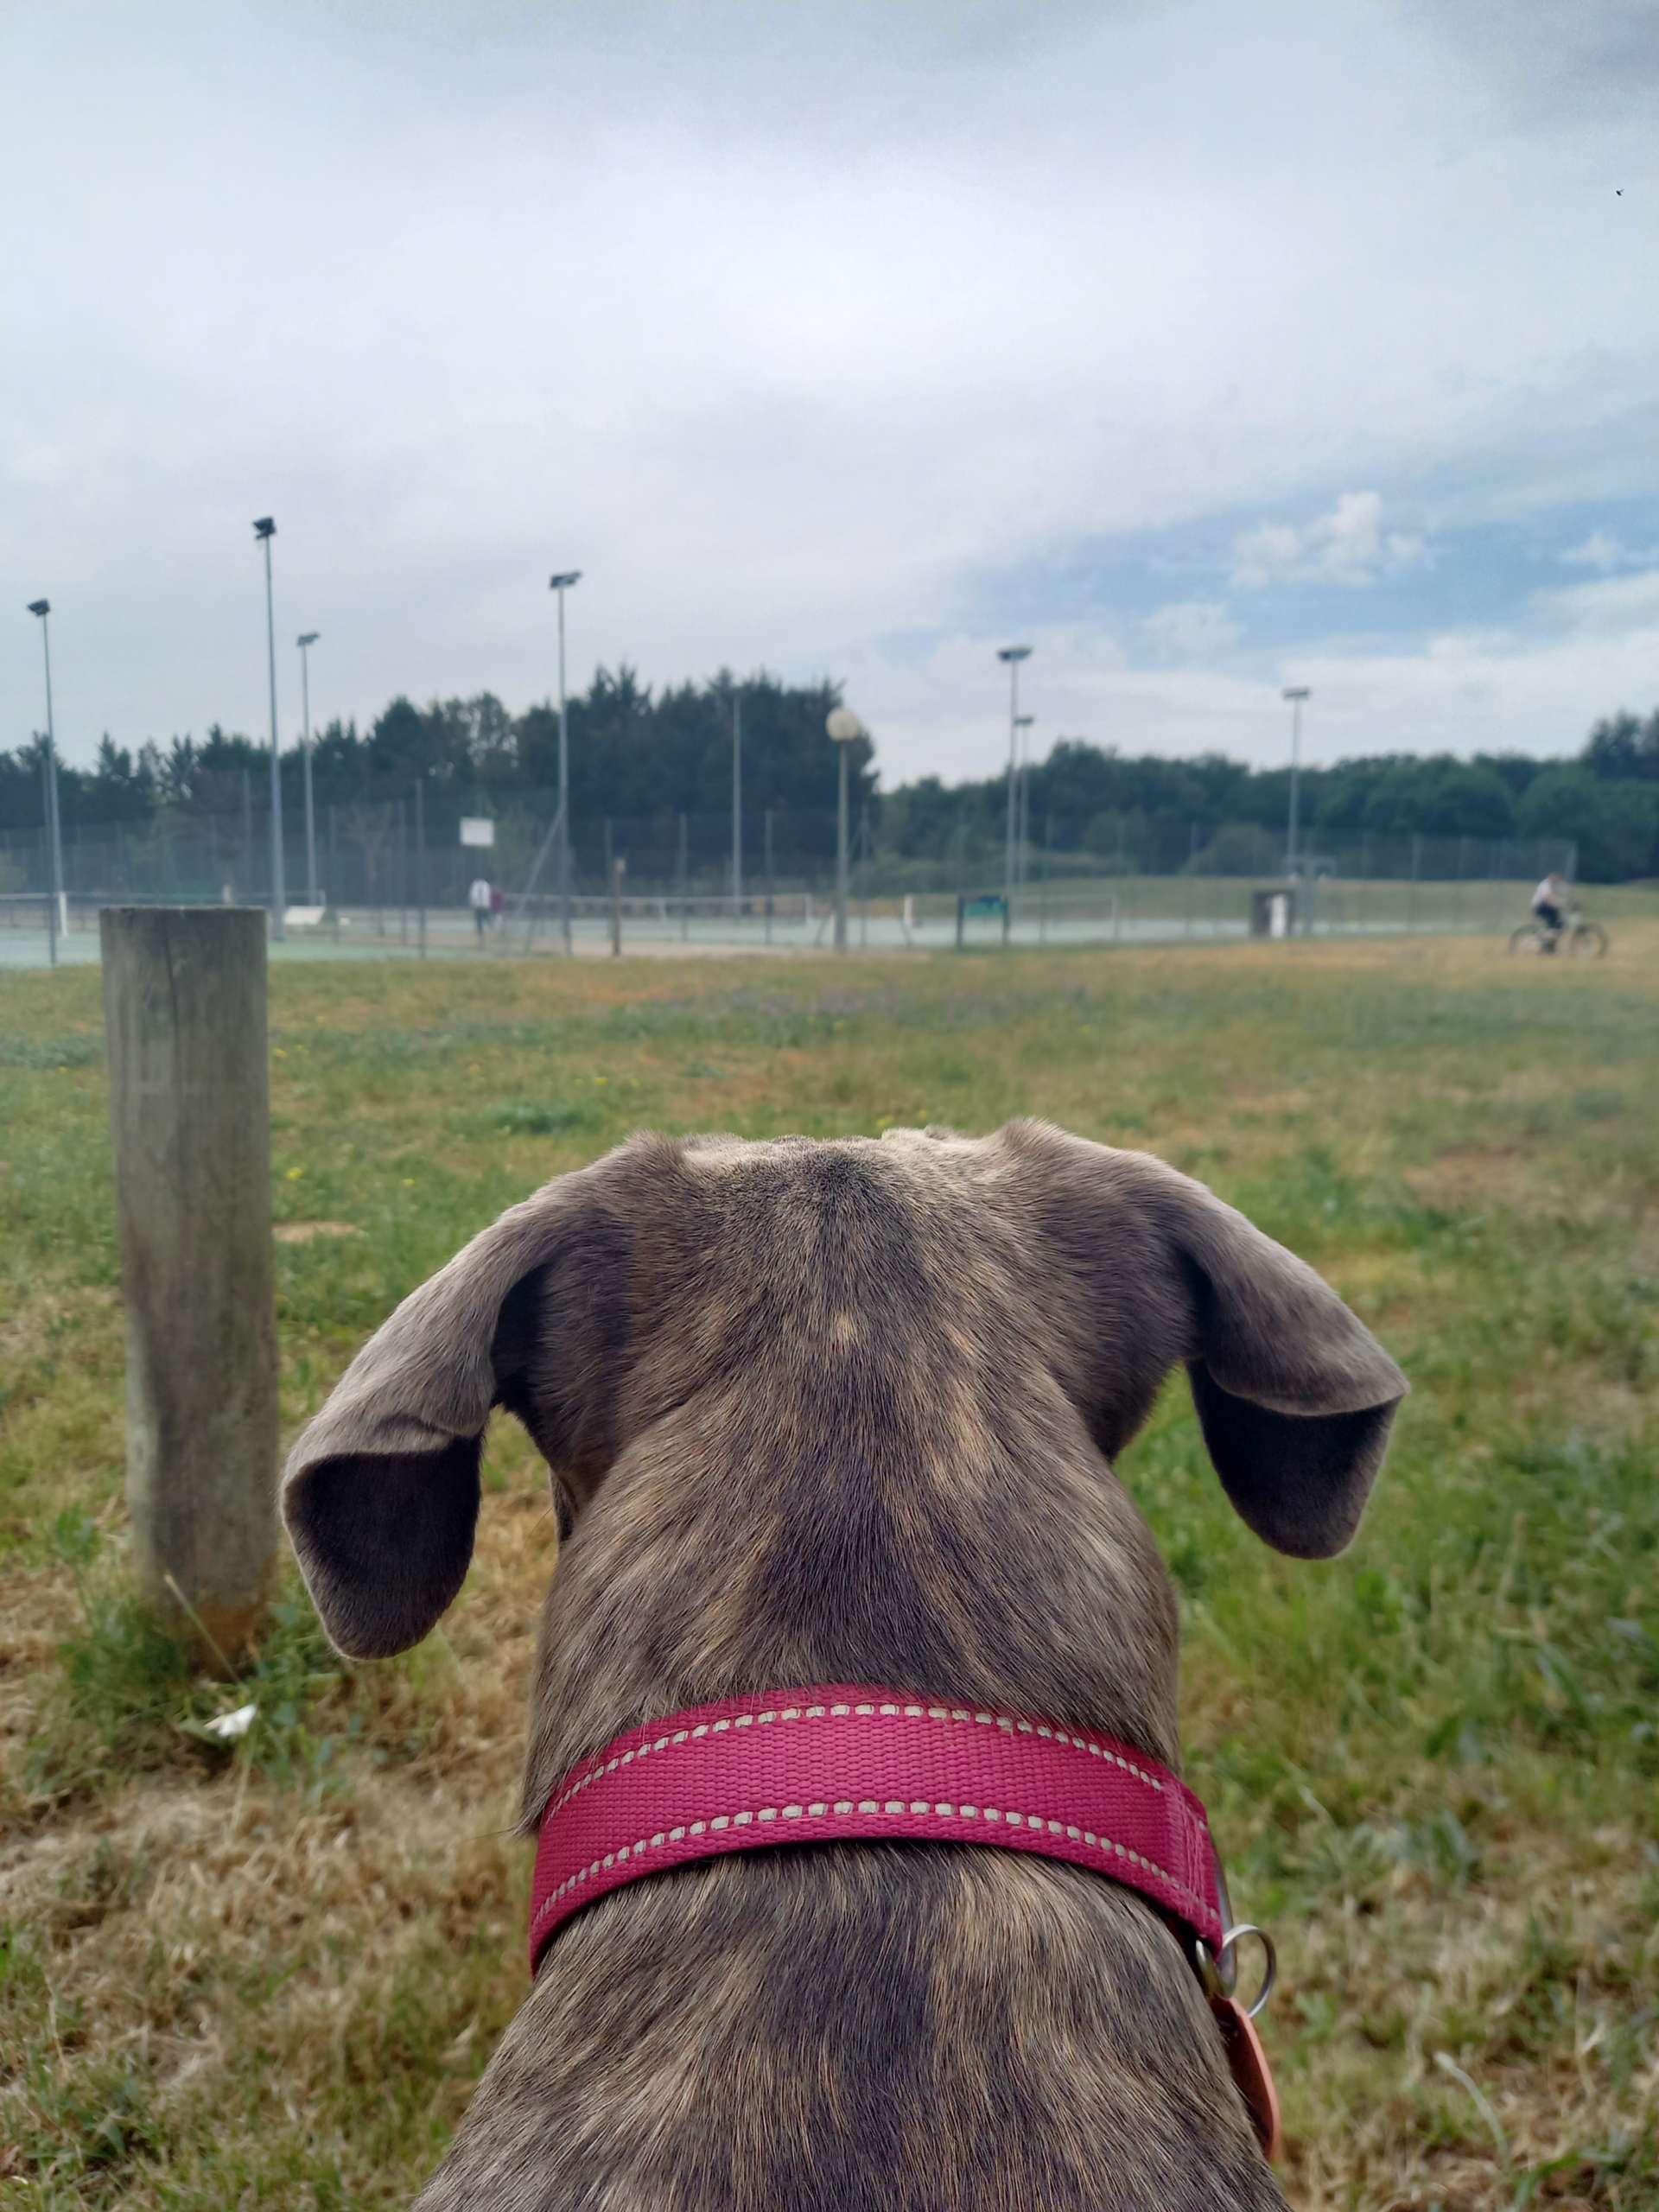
{"x": 637, "y": 753}
{"x": 1606, "y": 799}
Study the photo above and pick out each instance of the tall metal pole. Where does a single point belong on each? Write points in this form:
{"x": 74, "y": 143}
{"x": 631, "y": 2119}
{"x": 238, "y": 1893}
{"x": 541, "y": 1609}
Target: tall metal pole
{"x": 51, "y": 898}
{"x": 1024, "y": 806}
{"x": 840, "y": 857}
{"x": 845, "y": 729}
{"x": 1295, "y": 693}
{"x": 564, "y": 793}
{"x": 264, "y": 530}
{"x": 1019, "y": 797}
{"x": 1022, "y": 854}
{"x": 737, "y": 805}
{"x": 420, "y": 857}
{"x": 305, "y": 644}
{"x": 561, "y": 583}
{"x": 43, "y": 609}
{"x": 1014, "y": 740}
{"x": 1013, "y": 655}
{"x": 54, "y": 837}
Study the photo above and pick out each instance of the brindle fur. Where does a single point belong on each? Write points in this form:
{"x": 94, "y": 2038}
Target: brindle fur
{"x": 829, "y": 1412}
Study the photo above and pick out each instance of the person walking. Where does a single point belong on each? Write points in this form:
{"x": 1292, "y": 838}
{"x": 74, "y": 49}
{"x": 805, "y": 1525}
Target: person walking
{"x": 479, "y": 900}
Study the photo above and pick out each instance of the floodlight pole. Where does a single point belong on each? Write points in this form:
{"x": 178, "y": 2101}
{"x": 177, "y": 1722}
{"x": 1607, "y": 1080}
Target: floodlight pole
{"x": 840, "y": 855}
{"x": 1013, "y": 655}
{"x": 41, "y": 608}
{"x": 51, "y": 898}
{"x": 845, "y": 729}
{"x": 1295, "y": 693}
{"x": 737, "y": 805}
{"x": 561, "y": 583}
{"x": 305, "y": 644}
{"x": 264, "y": 530}
{"x": 1023, "y": 849}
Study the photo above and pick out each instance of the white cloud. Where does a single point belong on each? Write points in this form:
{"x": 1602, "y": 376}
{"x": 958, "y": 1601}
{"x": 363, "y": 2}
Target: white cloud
{"x": 1347, "y": 546}
{"x": 1193, "y": 629}
{"x": 1613, "y": 607}
{"x": 782, "y": 325}
{"x": 1462, "y": 691}
{"x": 1601, "y": 549}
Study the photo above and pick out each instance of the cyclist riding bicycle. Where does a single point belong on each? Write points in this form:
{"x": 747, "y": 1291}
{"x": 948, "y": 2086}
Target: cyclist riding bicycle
{"x": 1556, "y": 925}
{"x": 1549, "y": 901}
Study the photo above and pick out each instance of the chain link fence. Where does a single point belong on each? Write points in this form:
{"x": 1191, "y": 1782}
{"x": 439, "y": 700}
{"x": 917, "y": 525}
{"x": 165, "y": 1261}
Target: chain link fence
{"x": 394, "y": 877}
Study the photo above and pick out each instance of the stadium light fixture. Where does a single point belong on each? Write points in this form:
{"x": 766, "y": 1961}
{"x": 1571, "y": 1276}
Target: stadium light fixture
{"x": 264, "y": 530}
{"x": 561, "y": 581}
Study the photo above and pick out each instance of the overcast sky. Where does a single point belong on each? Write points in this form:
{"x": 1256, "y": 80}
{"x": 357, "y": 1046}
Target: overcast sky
{"x": 1204, "y": 347}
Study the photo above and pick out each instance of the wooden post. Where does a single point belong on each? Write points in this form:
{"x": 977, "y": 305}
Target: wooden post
{"x": 184, "y": 1014}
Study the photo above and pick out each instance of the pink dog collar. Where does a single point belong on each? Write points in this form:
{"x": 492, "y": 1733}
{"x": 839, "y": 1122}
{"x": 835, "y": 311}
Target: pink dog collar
{"x": 842, "y": 1763}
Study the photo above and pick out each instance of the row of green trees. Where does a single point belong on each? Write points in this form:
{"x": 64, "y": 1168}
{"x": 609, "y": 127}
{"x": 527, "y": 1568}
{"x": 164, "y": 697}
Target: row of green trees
{"x": 1607, "y": 800}
{"x": 632, "y": 752}
{"x": 636, "y": 753}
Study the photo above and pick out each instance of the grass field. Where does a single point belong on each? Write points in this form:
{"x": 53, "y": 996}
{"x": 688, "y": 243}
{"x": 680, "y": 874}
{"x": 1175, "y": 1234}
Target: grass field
{"x": 268, "y": 1976}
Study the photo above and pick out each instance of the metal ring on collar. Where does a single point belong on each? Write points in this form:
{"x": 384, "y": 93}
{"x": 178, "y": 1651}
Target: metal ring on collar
{"x": 1226, "y": 1963}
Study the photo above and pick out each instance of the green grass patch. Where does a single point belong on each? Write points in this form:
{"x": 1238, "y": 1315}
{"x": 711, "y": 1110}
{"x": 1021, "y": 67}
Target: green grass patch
{"x": 268, "y": 1973}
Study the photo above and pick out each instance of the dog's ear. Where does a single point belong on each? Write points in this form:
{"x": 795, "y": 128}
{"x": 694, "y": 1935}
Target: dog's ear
{"x": 1294, "y": 1395}
{"x": 381, "y": 1491}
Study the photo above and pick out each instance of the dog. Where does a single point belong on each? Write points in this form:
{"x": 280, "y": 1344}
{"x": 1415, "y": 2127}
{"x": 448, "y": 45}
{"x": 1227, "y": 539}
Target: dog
{"x": 846, "y": 1411}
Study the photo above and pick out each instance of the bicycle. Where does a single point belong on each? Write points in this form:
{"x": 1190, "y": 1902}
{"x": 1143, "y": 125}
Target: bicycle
{"x": 1584, "y": 940}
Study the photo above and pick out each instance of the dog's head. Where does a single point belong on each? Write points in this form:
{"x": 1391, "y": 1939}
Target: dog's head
{"x": 851, "y": 1322}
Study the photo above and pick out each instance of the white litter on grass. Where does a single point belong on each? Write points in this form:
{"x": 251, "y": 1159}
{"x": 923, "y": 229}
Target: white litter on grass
{"x": 229, "y": 1725}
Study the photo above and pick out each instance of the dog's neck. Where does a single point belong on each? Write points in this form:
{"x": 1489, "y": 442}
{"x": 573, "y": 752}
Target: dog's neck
{"x": 961, "y": 1536}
